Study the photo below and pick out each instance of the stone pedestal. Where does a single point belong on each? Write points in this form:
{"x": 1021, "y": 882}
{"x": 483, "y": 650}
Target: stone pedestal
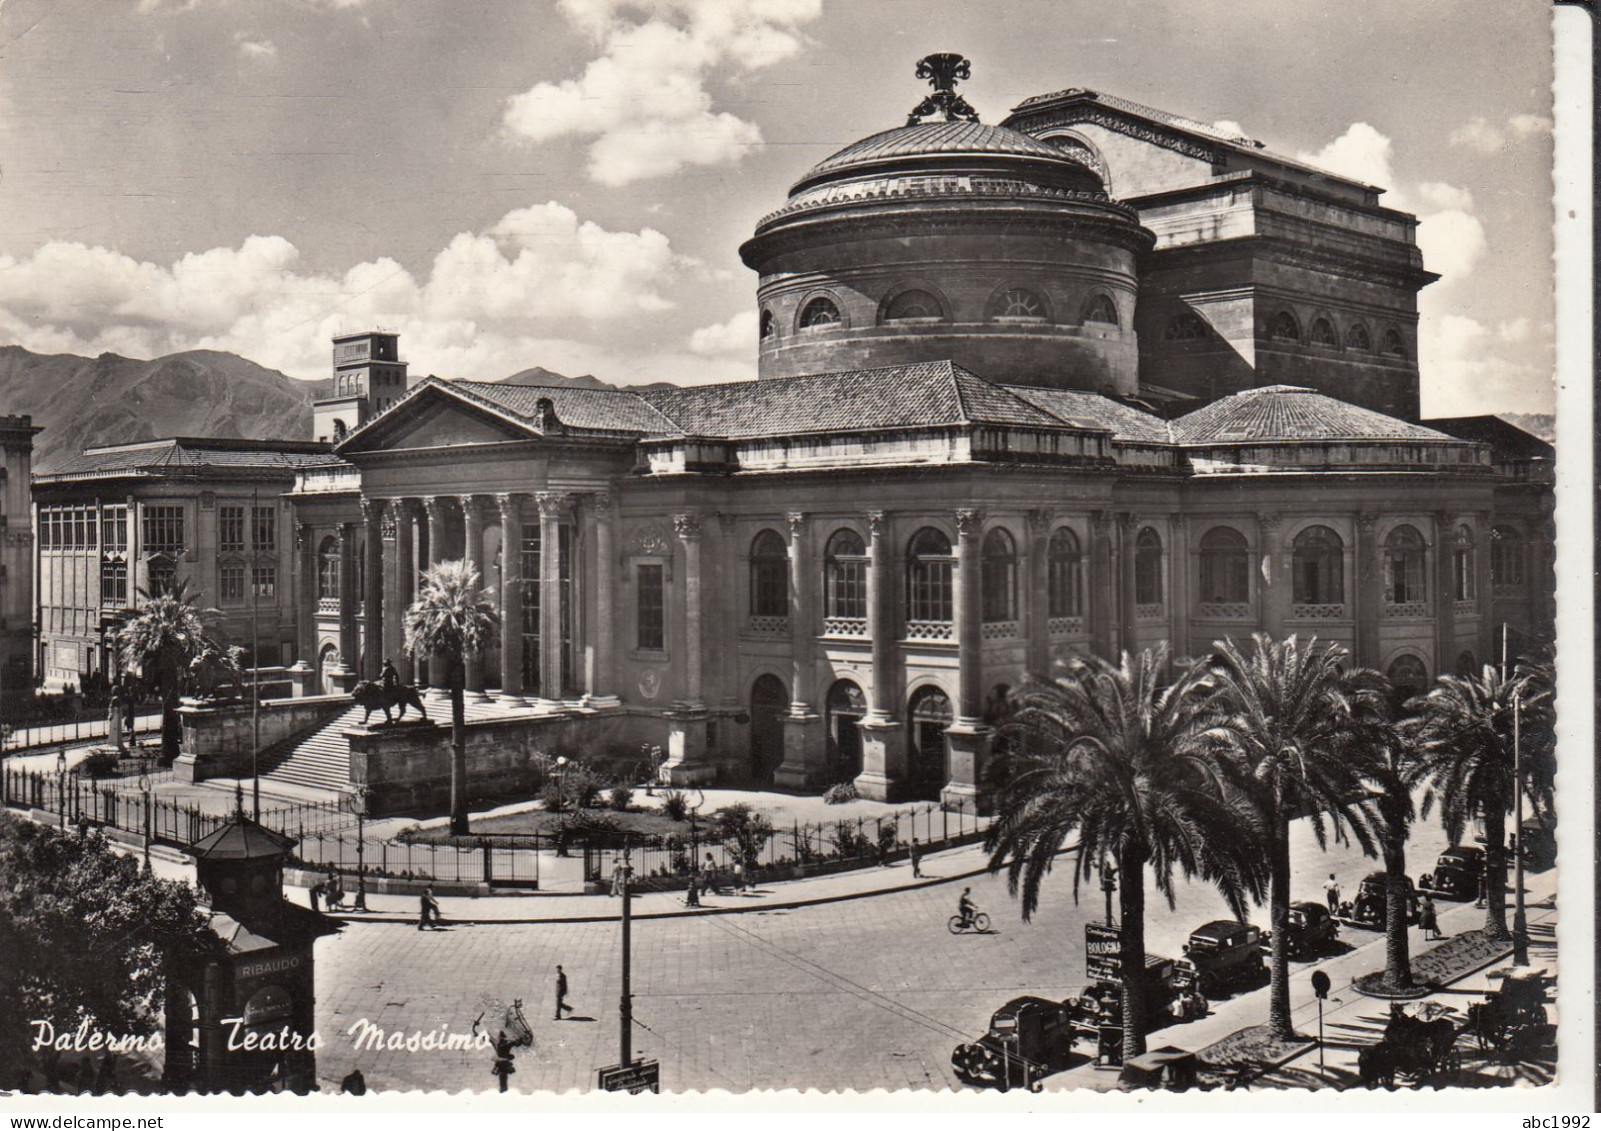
{"x": 216, "y": 741}
{"x": 302, "y": 679}
{"x": 967, "y": 752}
{"x": 883, "y": 758}
{"x": 344, "y": 680}
{"x": 687, "y": 763}
{"x": 601, "y": 702}
{"x": 805, "y": 765}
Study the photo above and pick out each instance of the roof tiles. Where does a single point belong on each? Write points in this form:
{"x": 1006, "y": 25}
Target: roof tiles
{"x": 1289, "y": 412}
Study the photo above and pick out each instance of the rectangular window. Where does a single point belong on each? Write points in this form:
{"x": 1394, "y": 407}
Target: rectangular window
{"x": 114, "y": 529}
{"x": 163, "y": 530}
{"x": 231, "y": 529}
{"x": 114, "y": 583}
{"x": 564, "y": 574}
{"x": 264, "y": 529}
{"x": 529, "y": 557}
{"x": 847, "y": 588}
{"x": 1063, "y": 585}
{"x": 265, "y": 580}
{"x": 652, "y": 607}
{"x": 231, "y": 581}
{"x": 163, "y": 579}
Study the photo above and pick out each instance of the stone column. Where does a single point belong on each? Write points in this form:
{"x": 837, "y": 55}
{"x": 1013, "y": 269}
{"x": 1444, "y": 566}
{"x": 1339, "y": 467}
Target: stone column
{"x": 686, "y": 735}
{"x": 883, "y": 738}
{"x": 344, "y": 676}
{"x": 1100, "y": 583}
{"x": 1367, "y": 590}
{"x": 599, "y": 688}
{"x": 403, "y": 515}
{"x": 472, "y": 552}
{"x": 552, "y": 505}
{"x": 1274, "y": 576}
{"x": 304, "y": 671}
{"x": 1484, "y": 590}
{"x": 1180, "y": 600}
{"x": 1444, "y": 586}
{"x": 1036, "y": 610}
{"x": 805, "y": 762}
{"x": 1128, "y": 525}
{"x": 967, "y": 740}
{"x": 375, "y": 516}
{"x": 434, "y": 509}
{"x": 511, "y": 600}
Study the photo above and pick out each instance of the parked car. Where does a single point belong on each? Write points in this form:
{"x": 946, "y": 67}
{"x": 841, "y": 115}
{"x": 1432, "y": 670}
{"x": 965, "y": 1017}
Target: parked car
{"x": 1227, "y": 955}
{"x": 1029, "y": 1038}
{"x": 1170, "y": 996}
{"x": 1367, "y": 909}
{"x": 1457, "y": 874}
{"x": 1539, "y": 846}
{"x": 1309, "y": 929}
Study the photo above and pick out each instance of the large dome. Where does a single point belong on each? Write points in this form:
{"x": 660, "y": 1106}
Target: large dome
{"x": 940, "y": 146}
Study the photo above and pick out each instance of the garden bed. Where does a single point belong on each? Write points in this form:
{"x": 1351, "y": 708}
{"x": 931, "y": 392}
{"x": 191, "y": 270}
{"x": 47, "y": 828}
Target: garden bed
{"x": 637, "y": 824}
{"x": 1443, "y": 964}
{"x": 1247, "y": 1053}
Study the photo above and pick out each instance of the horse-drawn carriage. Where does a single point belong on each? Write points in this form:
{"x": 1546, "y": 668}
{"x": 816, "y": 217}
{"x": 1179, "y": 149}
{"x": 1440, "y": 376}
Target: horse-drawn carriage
{"x": 1511, "y": 1020}
{"x": 1418, "y": 1047}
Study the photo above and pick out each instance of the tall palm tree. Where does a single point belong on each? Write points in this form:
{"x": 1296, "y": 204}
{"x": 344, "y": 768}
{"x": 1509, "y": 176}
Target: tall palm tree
{"x": 158, "y": 643}
{"x": 1462, "y": 731}
{"x": 452, "y": 618}
{"x": 1107, "y": 753}
{"x": 1290, "y": 719}
{"x": 1393, "y": 802}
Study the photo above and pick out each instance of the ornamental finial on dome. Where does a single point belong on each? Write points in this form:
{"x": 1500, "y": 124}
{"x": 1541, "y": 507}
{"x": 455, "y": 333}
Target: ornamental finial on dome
{"x": 942, "y": 72}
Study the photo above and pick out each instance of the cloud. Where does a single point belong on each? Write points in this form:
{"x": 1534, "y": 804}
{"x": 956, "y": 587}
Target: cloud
{"x": 539, "y": 286}
{"x": 258, "y": 48}
{"x": 1230, "y": 127}
{"x": 1361, "y": 153}
{"x": 643, "y": 102}
{"x": 736, "y": 336}
{"x": 1483, "y": 136}
{"x": 1467, "y": 367}
{"x": 1527, "y": 125}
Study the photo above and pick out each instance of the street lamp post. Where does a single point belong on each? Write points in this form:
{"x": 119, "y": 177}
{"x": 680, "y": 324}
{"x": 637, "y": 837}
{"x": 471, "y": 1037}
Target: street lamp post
{"x": 1108, "y": 887}
{"x": 144, "y": 789}
{"x": 61, "y": 784}
{"x": 1520, "y": 921}
{"x": 356, "y": 801}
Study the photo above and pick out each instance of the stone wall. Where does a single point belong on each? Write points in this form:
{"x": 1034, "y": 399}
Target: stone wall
{"x": 218, "y": 740}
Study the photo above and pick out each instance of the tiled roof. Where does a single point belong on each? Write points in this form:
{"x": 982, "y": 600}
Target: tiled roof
{"x": 1096, "y": 411}
{"x": 1505, "y": 438}
{"x": 183, "y": 453}
{"x": 941, "y": 138}
{"x": 1289, "y": 412}
{"x": 900, "y": 396}
{"x": 610, "y": 410}
{"x": 241, "y": 839}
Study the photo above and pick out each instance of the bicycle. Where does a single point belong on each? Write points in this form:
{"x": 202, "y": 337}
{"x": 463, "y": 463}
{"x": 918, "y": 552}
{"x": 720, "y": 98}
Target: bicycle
{"x": 979, "y": 924}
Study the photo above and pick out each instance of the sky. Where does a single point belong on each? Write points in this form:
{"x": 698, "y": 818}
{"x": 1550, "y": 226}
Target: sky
{"x": 565, "y": 183}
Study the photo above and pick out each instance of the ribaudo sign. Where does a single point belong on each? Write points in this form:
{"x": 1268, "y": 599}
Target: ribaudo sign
{"x": 1103, "y": 950}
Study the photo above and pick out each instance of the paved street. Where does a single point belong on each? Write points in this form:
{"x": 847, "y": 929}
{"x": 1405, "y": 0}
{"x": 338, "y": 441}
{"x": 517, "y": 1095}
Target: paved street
{"x": 866, "y": 993}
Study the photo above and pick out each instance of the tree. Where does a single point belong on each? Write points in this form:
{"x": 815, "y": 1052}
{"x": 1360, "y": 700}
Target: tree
{"x": 1293, "y": 723}
{"x": 1462, "y": 732}
{"x": 1110, "y": 753}
{"x": 85, "y": 932}
{"x": 451, "y": 619}
{"x": 1393, "y": 802}
{"x": 743, "y": 827}
{"x": 159, "y": 643}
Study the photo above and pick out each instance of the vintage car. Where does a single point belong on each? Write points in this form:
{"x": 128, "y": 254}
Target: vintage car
{"x": 1310, "y": 929}
{"x": 1367, "y": 909}
{"x": 1170, "y": 996}
{"x": 1226, "y": 955}
{"x": 1029, "y": 1038}
{"x": 1539, "y": 846}
{"x": 1457, "y": 874}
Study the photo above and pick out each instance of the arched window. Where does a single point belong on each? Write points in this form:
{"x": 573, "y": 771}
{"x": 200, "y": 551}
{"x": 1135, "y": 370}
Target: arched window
{"x": 845, "y": 576}
{"x": 1356, "y": 337}
{"x": 1467, "y": 664}
{"x": 1393, "y": 345}
{"x": 1403, "y": 566}
{"x": 328, "y": 569}
{"x": 1408, "y": 678}
{"x": 1148, "y": 568}
{"x": 819, "y": 313}
{"x": 1462, "y": 586}
{"x": 1186, "y": 327}
{"x": 999, "y": 581}
{"x": 1225, "y": 567}
{"x": 928, "y": 576}
{"x": 340, "y": 431}
{"x": 766, "y": 325}
{"x": 769, "y": 576}
{"x": 1318, "y": 567}
{"x": 1101, "y": 309}
{"x": 844, "y": 707}
{"x": 1018, "y": 303}
{"x": 1285, "y": 327}
{"x": 1322, "y": 334}
{"x": 1064, "y": 566}
{"x": 913, "y": 306}
{"x": 1506, "y": 556}
{"x": 927, "y": 715}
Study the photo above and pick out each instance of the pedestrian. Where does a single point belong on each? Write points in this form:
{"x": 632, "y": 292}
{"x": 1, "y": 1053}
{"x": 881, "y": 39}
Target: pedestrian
{"x": 332, "y": 892}
{"x": 1428, "y": 920}
{"x": 739, "y": 874}
{"x": 617, "y": 877}
{"x": 561, "y": 993}
{"x": 354, "y": 1084}
{"x": 503, "y": 1057}
{"x": 1331, "y": 892}
{"x": 692, "y": 896}
{"x": 316, "y": 895}
{"x": 916, "y": 853}
{"x": 425, "y": 910}
{"x": 106, "y": 1076}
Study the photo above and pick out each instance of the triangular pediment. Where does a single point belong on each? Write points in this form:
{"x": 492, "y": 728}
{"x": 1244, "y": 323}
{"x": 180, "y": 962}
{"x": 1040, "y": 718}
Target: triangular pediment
{"x": 434, "y": 419}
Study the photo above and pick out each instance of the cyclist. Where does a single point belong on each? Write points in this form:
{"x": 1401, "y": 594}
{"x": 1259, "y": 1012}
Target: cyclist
{"x": 966, "y": 908}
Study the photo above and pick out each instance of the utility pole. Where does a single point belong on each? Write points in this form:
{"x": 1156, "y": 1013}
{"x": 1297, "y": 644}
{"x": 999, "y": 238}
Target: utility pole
{"x": 625, "y": 1010}
{"x": 1520, "y": 921}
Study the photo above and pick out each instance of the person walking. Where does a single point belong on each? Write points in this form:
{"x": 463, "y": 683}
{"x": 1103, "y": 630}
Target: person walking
{"x": 1331, "y": 892}
{"x": 561, "y": 994}
{"x": 1428, "y": 920}
{"x": 316, "y": 895}
{"x": 915, "y": 851}
{"x": 428, "y": 916}
{"x": 692, "y": 896}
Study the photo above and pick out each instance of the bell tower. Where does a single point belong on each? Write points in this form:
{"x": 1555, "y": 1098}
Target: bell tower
{"x": 369, "y": 377}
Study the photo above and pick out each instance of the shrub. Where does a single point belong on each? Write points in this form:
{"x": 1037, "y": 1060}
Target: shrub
{"x": 840, "y": 792}
{"x": 587, "y": 827}
{"x": 886, "y": 836}
{"x": 584, "y": 785}
{"x": 675, "y": 805}
{"x": 619, "y": 797}
{"x": 849, "y": 841}
{"x": 101, "y": 762}
{"x": 747, "y": 829}
{"x": 555, "y": 797}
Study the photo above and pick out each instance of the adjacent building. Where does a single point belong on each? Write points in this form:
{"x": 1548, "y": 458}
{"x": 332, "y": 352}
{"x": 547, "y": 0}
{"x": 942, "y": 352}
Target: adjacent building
{"x": 16, "y": 556}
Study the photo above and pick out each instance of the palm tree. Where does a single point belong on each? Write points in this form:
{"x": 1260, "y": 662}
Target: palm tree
{"x": 1107, "y": 752}
{"x": 1292, "y": 721}
{"x": 1462, "y": 731}
{"x": 158, "y": 643}
{"x": 1393, "y": 801}
{"x": 451, "y": 619}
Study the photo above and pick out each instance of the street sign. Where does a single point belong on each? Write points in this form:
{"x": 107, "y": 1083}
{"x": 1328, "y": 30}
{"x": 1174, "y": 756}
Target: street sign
{"x": 640, "y": 1076}
{"x": 1103, "y": 951}
{"x": 1320, "y": 984}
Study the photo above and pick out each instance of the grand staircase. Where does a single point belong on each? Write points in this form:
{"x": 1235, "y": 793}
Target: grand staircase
{"x": 319, "y": 759}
